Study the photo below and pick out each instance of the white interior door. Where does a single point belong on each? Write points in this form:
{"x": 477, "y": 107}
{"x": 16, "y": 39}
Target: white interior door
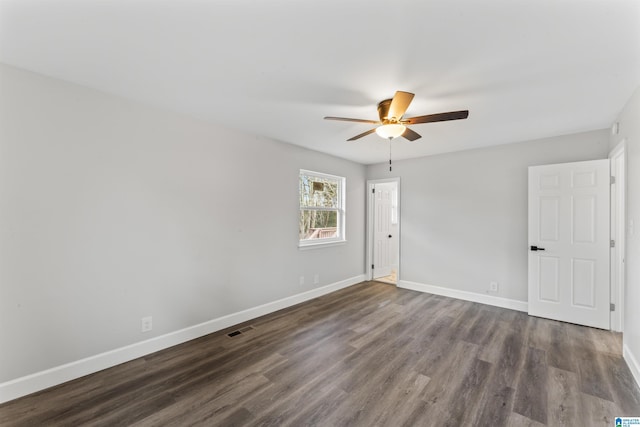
{"x": 569, "y": 242}
{"x": 385, "y": 237}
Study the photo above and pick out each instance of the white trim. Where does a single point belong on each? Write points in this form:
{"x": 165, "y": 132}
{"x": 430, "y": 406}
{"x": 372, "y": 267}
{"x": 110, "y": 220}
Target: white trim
{"x": 320, "y": 242}
{"x": 321, "y": 245}
{"x": 370, "y": 225}
{"x": 632, "y": 363}
{"x": 465, "y": 295}
{"x": 44, "y": 379}
{"x": 617, "y": 230}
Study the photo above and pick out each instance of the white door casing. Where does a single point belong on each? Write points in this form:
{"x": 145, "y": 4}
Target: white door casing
{"x": 617, "y": 233}
{"x": 569, "y": 224}
{"x": 395, "y": 227}
{"x": 384, "y": 235}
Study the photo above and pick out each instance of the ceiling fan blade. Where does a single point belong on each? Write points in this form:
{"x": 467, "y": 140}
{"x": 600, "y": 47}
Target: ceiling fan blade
{"x": 411, "y": 135}
{"x": 345, "y": 119}
{"x": 362, "y": 134}
{"x": 399, "y": 105}
{"x": 440, "y": 117}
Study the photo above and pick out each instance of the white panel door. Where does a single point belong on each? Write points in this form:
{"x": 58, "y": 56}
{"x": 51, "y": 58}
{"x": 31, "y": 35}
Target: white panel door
{"x": 383, "y": 231}
{"x": 569, "y": 242}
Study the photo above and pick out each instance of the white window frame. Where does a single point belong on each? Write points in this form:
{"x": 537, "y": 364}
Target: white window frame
{"x": 340, "y": 209}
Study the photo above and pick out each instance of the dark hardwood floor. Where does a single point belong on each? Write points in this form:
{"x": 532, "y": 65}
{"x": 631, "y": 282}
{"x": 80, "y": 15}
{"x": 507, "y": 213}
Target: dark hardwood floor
{"x": 367, "y": 355}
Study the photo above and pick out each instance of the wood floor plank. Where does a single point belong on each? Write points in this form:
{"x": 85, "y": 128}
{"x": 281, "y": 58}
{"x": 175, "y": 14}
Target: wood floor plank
{"x": 531, "y": 393}
{"x": 281, "y": 410}
{"x": 606, "y": 341}
{"x": 380, "y": 393}
{"x": 593, "y": 379}
{"x": 464, "y": 408}
{"x": 360, "y": 373}
{"x": 517, "y": 321}
{"x": 496, "y": 402}
{"x": 367, "y": 355}
{"x": 443, "y": 388}
{"x": 238, "y": 418}
{"x": 563, "y": 398}
{"x": 218, "y": 398}
{"x": 320, "y": 411}
{"x": 491, "y": 349}
{"x": 396, "y": 402}
{"x": 517, "y": 420}
{"x": 480, "y": 331}
{"x": 203, "y": 407}
{"x": 512, "y": 356}
{"x": 625, "y": 391}
{"x": 540, "y": 332}
{"x": 495, "y": 406}
{"x": 560, "y": 353}
{"x": 598, "y": 412}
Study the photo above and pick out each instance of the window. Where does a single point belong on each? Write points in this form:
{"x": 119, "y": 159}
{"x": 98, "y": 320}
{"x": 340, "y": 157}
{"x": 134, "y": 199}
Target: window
{"x": 322, "y": 212}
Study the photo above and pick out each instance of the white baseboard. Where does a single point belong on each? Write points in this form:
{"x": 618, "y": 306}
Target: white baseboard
{"x": 632, "y": 363}
{"x": 41, "y": 380}
{"x": 465, "y": 295}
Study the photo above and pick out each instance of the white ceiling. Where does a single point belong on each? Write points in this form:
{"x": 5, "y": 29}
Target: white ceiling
{"x": 524, "y": 69}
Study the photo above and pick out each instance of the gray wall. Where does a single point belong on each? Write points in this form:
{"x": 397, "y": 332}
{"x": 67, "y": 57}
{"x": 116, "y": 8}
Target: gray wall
{"x": 464, "y": 214}
{"x": 629, "y": 120}
{"x": 111, "y": 211}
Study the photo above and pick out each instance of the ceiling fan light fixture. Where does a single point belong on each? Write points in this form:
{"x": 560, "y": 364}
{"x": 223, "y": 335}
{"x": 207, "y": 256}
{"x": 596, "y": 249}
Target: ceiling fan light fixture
{"x": 392, "y": 123}
{"x": 390, "y": 131}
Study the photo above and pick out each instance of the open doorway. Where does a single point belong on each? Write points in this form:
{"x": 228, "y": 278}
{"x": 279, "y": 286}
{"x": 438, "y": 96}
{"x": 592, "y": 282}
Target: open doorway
{"x": 383, "y": 230}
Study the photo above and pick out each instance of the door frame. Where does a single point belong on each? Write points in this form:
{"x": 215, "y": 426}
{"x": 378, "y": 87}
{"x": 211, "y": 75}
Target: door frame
{"x": 617, "y": 232}
{"x": 371, "y": 223}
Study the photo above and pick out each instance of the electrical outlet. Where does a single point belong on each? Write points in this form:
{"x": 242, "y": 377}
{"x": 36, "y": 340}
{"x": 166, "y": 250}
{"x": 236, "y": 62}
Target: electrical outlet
{"x": 147, "y": 324}
{"x": 316, "y": 279}
{"x": 301, "y": 280}
{"x": 493, "y": 286}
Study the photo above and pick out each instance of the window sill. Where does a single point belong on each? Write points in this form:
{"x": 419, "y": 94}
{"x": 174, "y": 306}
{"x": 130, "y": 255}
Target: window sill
{"x": 320, "y": 245}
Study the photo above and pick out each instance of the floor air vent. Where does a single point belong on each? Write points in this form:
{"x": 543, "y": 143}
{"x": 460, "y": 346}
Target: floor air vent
{"x": 239, "y": 331}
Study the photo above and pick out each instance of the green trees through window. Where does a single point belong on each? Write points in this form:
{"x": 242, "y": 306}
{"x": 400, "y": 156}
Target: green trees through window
{"x": 321, "y": 207}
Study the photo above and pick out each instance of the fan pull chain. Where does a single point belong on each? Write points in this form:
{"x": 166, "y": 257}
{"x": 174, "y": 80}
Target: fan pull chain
{"x": 390, "y": 154}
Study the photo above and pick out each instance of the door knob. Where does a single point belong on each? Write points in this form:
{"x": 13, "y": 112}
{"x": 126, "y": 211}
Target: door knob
{"x": 389, "y": 235}
{"x": 535, "y": 248}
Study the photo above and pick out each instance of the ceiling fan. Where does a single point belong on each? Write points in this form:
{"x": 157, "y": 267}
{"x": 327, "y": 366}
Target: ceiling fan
{"x": 392, "y": 124}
